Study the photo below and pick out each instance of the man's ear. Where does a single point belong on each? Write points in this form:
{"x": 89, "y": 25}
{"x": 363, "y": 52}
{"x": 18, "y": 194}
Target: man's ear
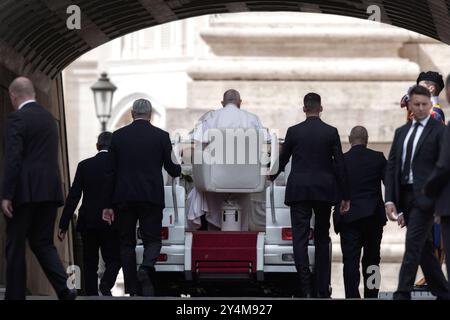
{"x": 304, "y": 109}
{"x": 433, "y": 89}
{"x": 12, "y": 98}
{"x": 321, "y": 109}
{"x": 223, "y": 103}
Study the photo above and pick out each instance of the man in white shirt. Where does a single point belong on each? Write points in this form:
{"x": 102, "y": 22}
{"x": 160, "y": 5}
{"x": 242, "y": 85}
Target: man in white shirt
{"x": 210, "y": 204}
{"x": 414, "y": 152}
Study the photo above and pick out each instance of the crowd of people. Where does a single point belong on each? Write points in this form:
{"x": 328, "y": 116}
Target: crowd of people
{"x": 123, "y": 184}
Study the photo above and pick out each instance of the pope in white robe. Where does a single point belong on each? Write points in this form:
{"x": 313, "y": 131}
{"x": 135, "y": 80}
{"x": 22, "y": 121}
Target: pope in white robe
{"x": 210, "y": 204}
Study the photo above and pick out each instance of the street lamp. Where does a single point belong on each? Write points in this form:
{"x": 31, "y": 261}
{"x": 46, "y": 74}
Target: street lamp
{"x": 103, "y": 91}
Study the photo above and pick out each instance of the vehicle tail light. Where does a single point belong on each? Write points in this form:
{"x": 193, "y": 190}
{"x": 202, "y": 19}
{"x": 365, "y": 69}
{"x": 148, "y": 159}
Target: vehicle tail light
{"x": 286, "y": 233}
{"x": 162, "y": 257}
{"x": 164, "y": 233}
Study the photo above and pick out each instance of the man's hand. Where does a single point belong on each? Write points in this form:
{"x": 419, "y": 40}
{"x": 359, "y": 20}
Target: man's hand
{"x": 345, "y": 206}
{"x": 401, "y": 220}
{"x": 62, "y": 234}
{"x": 108, "y": 215}
{"x": 391, "y": 211}
{"x": 7, "y": 208}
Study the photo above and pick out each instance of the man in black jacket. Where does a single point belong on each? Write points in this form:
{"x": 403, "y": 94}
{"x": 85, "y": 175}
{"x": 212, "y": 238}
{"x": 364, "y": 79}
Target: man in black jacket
{"x": 96, "y": 234}
{"x": 31, "y": 191}
{"x": 362, "y": 226}
{"x": 134, "y": 186}
{"x": 317, "y": 177}
{"x": 413, "y": 154}
{"x": 438, "y": 188}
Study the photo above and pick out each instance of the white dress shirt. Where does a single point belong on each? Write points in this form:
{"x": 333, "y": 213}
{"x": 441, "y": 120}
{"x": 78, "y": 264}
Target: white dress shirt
{"x": 423, "y": 123}
{"x": 24, "y": 103}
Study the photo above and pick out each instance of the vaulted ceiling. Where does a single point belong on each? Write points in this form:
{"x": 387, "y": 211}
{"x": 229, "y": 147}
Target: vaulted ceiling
{"x": 34, "y": 37}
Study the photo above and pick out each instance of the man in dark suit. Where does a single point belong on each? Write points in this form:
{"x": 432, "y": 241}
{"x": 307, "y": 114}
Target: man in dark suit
{"x": 362, "y": 226}
{"x": 31, "y": 191}
{"x": 414, "y": 152}
{"x": 438, "y": 188}
{"x": 317, "y": 176}
{"x": 96, "y": 234}
{"x": 134, "y": 185}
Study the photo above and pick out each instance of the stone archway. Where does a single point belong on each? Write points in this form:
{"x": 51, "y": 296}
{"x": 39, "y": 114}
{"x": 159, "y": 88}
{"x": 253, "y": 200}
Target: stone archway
{"x": 35, "y": 40}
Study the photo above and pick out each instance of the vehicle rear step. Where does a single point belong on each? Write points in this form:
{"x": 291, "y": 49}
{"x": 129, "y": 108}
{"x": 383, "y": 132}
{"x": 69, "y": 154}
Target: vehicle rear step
{"x": 216, "y": 253}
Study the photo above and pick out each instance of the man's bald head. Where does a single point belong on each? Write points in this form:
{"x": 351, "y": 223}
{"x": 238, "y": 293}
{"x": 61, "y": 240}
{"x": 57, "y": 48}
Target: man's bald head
{"x": 21, "y": 90}
{"x": 358, "y": 135}
{"x": 231, "y": 96}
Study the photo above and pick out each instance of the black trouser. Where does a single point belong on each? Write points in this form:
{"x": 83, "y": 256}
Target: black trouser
{"x": 445, "y": 230}
{"x": 34, "y": 222}
{"x": 419, "y": 250}
{"x": 106, "y": 240}
{"x": 150, "y": 224}
{"x": 301, "y": 213}
{"x": 364, "y": 234}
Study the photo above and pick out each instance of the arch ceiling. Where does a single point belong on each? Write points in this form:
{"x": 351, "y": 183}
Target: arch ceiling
{"x": 34, "y": 38}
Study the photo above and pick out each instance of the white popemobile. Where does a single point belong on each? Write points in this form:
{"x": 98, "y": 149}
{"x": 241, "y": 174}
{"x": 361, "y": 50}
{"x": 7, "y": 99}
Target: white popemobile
{"x": 192, "y": 261}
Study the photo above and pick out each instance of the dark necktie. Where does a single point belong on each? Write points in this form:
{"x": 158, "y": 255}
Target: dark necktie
{"x": 409, "y": 150}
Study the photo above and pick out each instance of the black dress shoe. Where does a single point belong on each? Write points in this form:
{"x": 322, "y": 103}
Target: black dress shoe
{"x": 68, "y": 294}
{"x": 147, "y": 289}
{"x": 104, "y": 291}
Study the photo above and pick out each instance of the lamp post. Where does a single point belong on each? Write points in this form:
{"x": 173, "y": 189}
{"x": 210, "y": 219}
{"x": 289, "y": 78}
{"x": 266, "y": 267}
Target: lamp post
{"x": 103, "y": 91}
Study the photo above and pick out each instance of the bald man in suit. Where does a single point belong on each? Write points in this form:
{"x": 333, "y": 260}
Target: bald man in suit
{"x": 31, "y": 191}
